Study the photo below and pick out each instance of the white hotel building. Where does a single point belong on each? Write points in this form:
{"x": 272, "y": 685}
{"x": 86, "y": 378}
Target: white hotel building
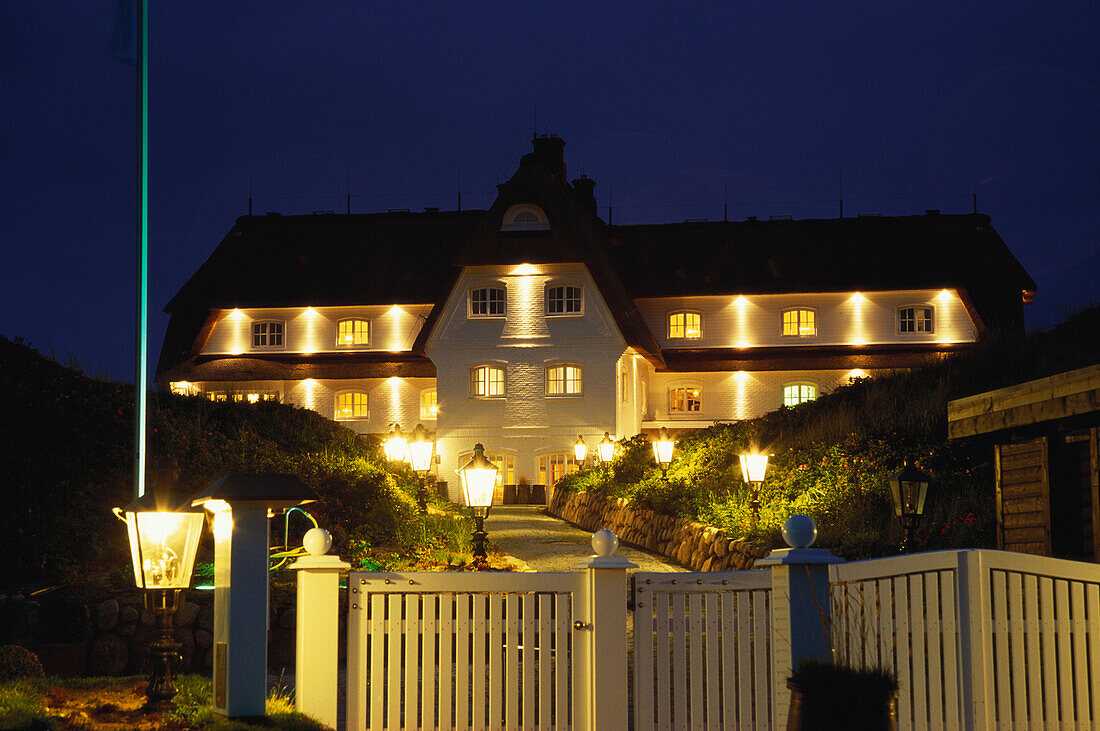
{"x": 533, "y": 322}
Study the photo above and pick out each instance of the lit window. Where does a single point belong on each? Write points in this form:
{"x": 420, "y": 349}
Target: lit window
{"x": 685, "y": 325}
{"x": 797, "y": 393}
{"x": 487, "y": 302}
{"x": 428, "y": 406}
{"x": 553, "y": 467}
{"x": 799, "y": 322}
{"x": 524, "y": 217}
{"x": 685, "y": 400}
{"x": 254, "y": 397}
{"x": 563, "y": 380}
{"x": 267, "y": 334}
{"x": 563, "y": 300}
{"x": 915, "y": 319}
{"x": 487, "y": 382}
{"x": 351, "y": 405}
{"x": 352, "y": 332}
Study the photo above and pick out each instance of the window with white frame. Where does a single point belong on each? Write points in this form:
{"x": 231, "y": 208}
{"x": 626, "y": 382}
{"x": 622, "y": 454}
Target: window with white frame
{"x": 915, "y": 319}
{"x": 563, "y": 379}
{"x": 351, "y": 405}
{"x": 428, "y": 406}
{"x": 524, "y": 217}
{"x": 352, "y": 331}
{"x": 564, "y": 299}
{"x": 685, "y": 400}
{"x": 685, "y": 325}
{"x": 487, "y": 381}
{"x": 487, "y": 302}
{"x": 798, "y": 393}
{"x": 267, "y": 334}
{"x": 553, "y": 467}
{"x": 799, "y": 322}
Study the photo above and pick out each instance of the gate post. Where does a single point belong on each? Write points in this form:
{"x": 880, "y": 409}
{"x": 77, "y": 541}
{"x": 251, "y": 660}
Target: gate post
{"x": 801, "y": 606}
{"x": 599, "y": 639}
{"x": 317, "y": 633}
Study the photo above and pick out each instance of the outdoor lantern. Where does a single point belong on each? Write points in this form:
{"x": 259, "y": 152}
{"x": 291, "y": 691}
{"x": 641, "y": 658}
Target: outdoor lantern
{"x": 421, "y": 450}
{"x": 908, "y": 489}
{"x": 662, "y": 450}
{"x": 580, "y": 450}
{"x": 606, "y": 449}
{"x": 164, "y": 533}
{"x": 395, "y": 444}
{"x": 753, "y": 468}
{"x": 479, "y": 478}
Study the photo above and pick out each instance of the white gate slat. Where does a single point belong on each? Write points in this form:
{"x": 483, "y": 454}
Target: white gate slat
{"x": 377, "y": 659}
{"x": 528, "y": 658}
{"x": 935, "y": 639}
{"x": 1080, "y": 672}
{"x": 479, "y": 669}
{"x": 1065, "y": 658}
{"x": 694, "y": 631}
{"x": 495, "y": 642}
{"x": 745, "y": 674}
{"x": 446, "y": 670}
{"x": 919, "y": 673}
{"x": 1092, "y": 626}
{"x": 358, "y": 674}
{"x": 853, "y": 620}
{"x": 1001, "y": 667}
{"x": 885, "y": 628}
{"x": 711, "y": 666}
{"x": 545, "y": 664}
{"x": 1032, "y": 642}
{"x": 761, "y": 659}
{"x": 663, "y": 701}
{"x": 1017, "y": 667}
{"x": 904, "y": 644}
{"x": 393, "y": 662}
{"x": 429, "y": 665}
{"x": 678, "y": 621}
{"x": 563, "y": 622}
{"x": 871, "y": 620}
{"x": 950, "y": 650}
{"x": 411, "y": 674}
{"x": 645, "y": 647}
{"x": 1048, "y": 645}
{"x": 729, "y": 660}
{"x": 463, "y": 686}
{"x": 511, "y": 685}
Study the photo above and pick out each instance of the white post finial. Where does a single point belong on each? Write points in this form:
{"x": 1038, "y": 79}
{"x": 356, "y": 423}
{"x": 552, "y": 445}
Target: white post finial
{"x": 605, "y": 542}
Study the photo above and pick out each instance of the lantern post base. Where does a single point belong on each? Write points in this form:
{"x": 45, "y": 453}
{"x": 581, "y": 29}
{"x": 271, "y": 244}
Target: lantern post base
{"x": 480, "y": 537}
{"x": 164, "y": 651}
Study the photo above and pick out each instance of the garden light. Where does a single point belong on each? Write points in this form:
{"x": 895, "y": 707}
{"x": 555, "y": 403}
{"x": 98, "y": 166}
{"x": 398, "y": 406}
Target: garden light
{"x": 580, "y": 450}
{"x": 908, "y": 490}
{"x": 605, "y": 450}
{"x": 753, "y": 468}
{"x": 662, "y": 451}
{"x": 421, "y": 449}
{"x": 479, "y": 478}
{"x": 395, "y": 445}
{"x": 164, "y": 533}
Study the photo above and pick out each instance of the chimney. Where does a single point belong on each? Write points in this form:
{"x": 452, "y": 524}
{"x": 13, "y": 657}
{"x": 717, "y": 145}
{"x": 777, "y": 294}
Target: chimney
{"x": 548, "y": 151}
{"x": 585, "y": 190}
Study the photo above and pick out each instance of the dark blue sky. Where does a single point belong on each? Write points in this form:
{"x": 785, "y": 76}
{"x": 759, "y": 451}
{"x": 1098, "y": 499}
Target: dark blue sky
{"x": 662, "y": 103}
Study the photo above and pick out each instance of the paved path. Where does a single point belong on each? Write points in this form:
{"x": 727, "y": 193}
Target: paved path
{"x": 546, "y": 543}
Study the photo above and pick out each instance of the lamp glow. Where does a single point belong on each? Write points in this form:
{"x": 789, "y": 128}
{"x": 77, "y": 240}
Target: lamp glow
{"x": 396, "y": 445}
{"x": 605, "y": 450}
{"x": 662, "y": 450}
{"x": 753, "y": 467}
{"x": 479, "y": 478}
{"x": 580, "y": 449}
{"x": 421, "y": 449}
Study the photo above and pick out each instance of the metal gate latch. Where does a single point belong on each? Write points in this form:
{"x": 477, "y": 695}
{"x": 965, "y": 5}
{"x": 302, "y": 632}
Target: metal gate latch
{"x": 581, "y": 625}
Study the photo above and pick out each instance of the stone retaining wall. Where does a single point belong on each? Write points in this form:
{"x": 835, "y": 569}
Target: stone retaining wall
{"x": 694, "y": 545}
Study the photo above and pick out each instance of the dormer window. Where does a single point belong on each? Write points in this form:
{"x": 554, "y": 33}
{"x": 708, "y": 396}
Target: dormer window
{"x": 352, "y": 332}
{"x": 487, "y": 302}
{"x": 564, "y": 300}
{"x": 685, "y": 325}
{"x": 799, "y": 322}
{"x": 525, "y": 217}
{"x": 267, "y": 334}
{"x": 915, "y": 319}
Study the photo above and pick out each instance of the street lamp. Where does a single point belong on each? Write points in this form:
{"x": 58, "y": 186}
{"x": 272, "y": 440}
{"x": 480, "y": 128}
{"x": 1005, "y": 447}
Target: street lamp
{"x": 395, "y": 445}
{"x": 753, "y": 467}
{"x": 908, "y": 489}
{"x": 421, "y": 449}
{"x": 605, "y": 450}
{"x": 662, "y": 451}
{"x": 479, "y": 477}
{"x": 164, "y": 533}
{"x": 580, "y": 450}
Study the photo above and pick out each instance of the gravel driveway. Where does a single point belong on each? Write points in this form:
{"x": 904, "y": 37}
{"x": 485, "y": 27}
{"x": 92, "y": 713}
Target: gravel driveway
{"x": 546, "y": 543}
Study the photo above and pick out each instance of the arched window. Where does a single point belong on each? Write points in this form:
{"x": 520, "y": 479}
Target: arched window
{"x": 563, "y": 379}
{"x": 351, "y": 405}
{"x": 797, "y": 393}
{"x": 487, "y": 302}
{"x": 916, "y": 319}
{"x": 564, "y": 299}
{"x": 487, "y": 381}
{"x": 352, "y": 331}
{"x": 799, "y": 321}
{"x": 524, "y": 217}
{"x": 685, "y": 400}
{"x": 428, "y": 406}
{"x": 685, "y": 325}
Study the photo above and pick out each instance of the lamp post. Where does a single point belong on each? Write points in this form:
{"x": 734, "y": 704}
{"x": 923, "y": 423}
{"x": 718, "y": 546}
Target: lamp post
{"x": 908, "y": 489}
{"x": 421, "y": 449}
{"x": 662, "y": 452}
{"x": 395, "y": 446}
{"x": 580, "y": 450}
{"x": 605, "y": 450}
{"x": 479, "y": 477}
{"x": 164, "y": 533}
{"x": 753, "y": 468}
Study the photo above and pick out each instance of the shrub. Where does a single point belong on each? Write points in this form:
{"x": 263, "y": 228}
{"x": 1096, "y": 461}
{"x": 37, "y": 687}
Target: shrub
{"x": 18, "y": 662}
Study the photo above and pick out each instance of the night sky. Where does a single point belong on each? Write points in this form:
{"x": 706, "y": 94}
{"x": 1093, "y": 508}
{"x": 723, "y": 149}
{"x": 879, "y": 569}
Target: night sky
{"x": 900, "y": 107}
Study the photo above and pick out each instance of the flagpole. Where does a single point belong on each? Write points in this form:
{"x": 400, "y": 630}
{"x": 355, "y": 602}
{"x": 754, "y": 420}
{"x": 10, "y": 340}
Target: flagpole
{"x": 141, "y": 315}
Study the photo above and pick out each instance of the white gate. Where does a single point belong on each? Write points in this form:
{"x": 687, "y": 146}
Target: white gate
{"x": 702, "y": 650}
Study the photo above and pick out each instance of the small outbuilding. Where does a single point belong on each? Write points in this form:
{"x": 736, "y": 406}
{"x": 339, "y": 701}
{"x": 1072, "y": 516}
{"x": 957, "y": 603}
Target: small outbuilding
{"x": 1046, "y": 460}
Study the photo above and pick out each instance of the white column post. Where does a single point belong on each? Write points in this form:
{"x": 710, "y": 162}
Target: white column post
{"x": 599, "y": 639}
{"x": 975, "y": 642}
{"x": 317, "y": 629}
{"x": 801, "y": 606}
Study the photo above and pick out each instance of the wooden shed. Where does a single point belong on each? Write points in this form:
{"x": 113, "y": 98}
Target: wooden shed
{"x": 1047, "y": 461}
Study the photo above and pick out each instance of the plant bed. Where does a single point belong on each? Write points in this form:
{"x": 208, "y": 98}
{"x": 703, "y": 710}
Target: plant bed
{"x": 829, "y": 696}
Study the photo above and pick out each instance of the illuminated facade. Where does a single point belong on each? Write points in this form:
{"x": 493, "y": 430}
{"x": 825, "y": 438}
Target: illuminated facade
{"x": 534, "y": 322}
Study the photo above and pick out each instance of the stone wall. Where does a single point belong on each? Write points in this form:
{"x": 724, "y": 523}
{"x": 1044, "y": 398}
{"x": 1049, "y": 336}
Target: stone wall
{"x": 694, "y": 545}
